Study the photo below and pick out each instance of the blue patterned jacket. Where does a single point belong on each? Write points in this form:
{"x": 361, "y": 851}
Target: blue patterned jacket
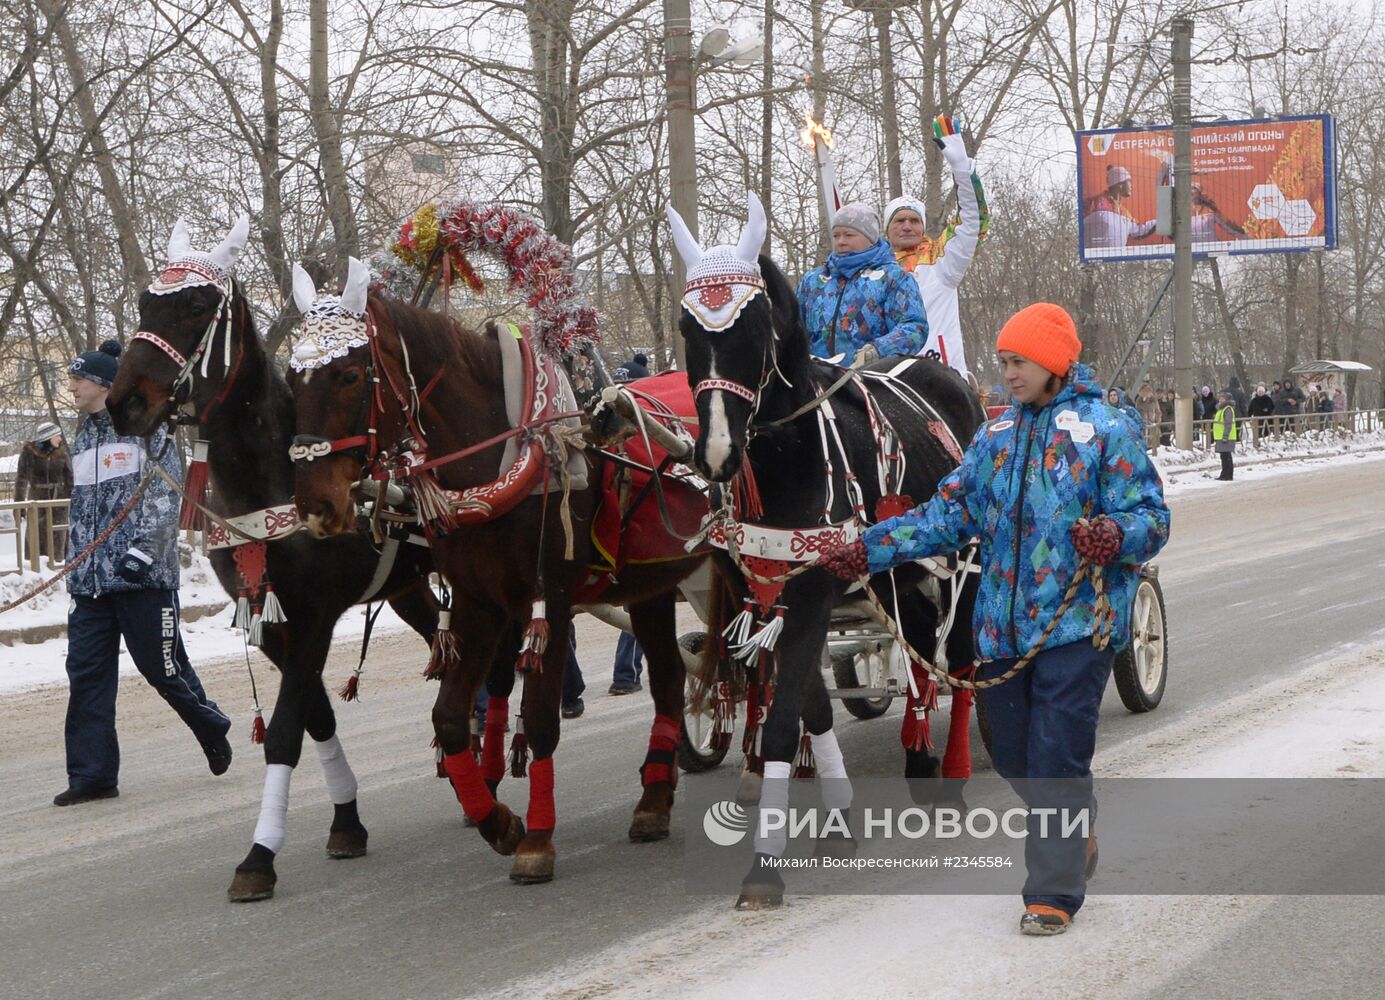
{"x": 869, "y": 299}
{"x": 1025, "y": 480}
{"x": 106, "y": 468}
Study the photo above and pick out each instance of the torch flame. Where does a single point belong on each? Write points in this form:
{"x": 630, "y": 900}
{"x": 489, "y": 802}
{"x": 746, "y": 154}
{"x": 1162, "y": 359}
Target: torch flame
{"x": 814, "y": 130}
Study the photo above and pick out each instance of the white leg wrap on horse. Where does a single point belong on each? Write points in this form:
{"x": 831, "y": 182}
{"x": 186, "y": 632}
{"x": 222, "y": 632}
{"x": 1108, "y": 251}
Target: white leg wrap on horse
{"x": 774, "y": 795}
{"x": 274, "y": 807}
{"x": 836, "y": 786}
{"x": 341, "y": 781}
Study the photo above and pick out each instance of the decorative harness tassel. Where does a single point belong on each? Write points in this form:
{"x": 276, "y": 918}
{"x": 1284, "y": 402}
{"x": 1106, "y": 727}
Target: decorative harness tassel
{"x": 257, "y": 728}
{"x": 723, "y": 716}
{"x": 534, "y": 642}
{"x": 195, "y": 489}
{"x": 445, "y": 652}
{"x": 737, "y": 633}
{"x": 763, "y": 641}
{"x": 519, "y": 751}
{"x": 805, "y": 765}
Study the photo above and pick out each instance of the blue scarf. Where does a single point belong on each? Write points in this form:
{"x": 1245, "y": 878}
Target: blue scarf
{"x": 851, "y": 264}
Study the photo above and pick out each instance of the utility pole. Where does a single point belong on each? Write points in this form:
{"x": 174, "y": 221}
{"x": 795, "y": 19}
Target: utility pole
{"x": 1182, "y": 57}
{"x": 682, "y": 142}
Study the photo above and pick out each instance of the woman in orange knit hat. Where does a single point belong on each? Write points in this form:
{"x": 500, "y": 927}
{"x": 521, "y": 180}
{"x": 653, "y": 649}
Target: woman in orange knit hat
{"x": 1058, "y": 479}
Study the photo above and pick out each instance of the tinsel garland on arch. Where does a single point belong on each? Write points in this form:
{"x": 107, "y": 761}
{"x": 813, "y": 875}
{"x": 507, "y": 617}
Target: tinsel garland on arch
{"x": 539, "y": 266}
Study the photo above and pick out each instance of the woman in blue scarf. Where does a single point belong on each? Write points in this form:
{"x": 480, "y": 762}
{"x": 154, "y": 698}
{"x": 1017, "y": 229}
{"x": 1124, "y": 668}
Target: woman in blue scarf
{"x": 861, "y": 304}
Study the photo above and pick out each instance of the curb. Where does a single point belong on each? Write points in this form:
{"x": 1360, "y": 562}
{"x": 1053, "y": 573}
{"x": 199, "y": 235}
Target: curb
{"x": 42, "y": 633}
{"x": 1213, "y": 466}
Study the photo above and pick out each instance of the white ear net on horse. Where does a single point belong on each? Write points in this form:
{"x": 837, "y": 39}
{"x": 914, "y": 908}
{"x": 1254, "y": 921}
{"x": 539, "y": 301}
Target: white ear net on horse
{"x": 224, "y": 256}
{"x": 304, "y": 290}
{"x": 332, "y": 325}
{"x": 179, "y": 242}
{"x": 357, "y": 284}
{"x": 722, "y": 279}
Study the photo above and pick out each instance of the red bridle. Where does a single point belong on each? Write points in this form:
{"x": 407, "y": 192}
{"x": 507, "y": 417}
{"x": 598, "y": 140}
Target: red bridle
{"x": 724, "y": 385}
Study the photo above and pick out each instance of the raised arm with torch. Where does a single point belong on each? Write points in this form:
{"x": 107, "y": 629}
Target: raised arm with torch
{"x": 819, "y": 138}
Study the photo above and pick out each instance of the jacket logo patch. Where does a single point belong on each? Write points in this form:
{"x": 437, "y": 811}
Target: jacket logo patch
{"x": 1079, "y": 429}
{"x": 1001, "y": 425}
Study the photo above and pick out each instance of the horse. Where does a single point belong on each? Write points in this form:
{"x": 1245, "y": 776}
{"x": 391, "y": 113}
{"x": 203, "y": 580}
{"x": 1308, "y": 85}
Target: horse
{"x": 378, "y": 380}
{"x": 196, "y": 312}
{"x": 770, "y": 413}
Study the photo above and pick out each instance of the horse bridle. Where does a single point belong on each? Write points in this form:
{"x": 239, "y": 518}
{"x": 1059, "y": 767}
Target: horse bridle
{"x": 221, "y": 316}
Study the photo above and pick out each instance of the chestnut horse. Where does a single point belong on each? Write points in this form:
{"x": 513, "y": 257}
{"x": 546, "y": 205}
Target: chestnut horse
{"x": 195, "y": 312}
{"x": 375, "y": 378}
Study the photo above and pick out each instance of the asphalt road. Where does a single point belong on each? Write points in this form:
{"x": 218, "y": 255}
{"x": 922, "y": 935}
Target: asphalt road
{"x": 126, "y": 898}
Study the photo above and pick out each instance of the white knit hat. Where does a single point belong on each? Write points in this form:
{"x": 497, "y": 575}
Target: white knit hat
{"x": 861, "y": 217}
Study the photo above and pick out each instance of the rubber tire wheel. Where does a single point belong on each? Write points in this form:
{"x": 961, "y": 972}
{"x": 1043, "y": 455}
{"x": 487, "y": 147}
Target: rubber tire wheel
{"x": 844, "y": 673}
{"x": 983, "y": 722}
{"x": 1126, "y": 671}
{"x": 693, "y": 759}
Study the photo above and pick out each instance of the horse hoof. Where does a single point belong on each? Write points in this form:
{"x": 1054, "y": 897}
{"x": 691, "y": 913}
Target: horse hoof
{"x": 648, "y": 827}
{"x": 533, "y": 867}
{"x": 251, "y": 885}
{"x": 748, "y": 791}
{"x": 502, "y": 829}
{"x": 343, "y": 844}
{"x": 759, "y": 898}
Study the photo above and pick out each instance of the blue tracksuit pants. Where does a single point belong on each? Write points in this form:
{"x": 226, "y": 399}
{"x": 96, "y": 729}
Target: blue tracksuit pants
{"x": 148, "y": 622}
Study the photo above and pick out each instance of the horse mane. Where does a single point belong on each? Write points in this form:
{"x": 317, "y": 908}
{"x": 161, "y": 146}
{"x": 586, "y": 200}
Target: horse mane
{"x": 784, "y": 316}
{"x": 439, "y": 335}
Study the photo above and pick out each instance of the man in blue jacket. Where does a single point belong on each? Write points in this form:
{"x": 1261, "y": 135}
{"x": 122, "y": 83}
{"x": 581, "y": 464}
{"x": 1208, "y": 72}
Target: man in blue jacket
{"x": 126, "y": 589}
{"x": 1058, "y": 479}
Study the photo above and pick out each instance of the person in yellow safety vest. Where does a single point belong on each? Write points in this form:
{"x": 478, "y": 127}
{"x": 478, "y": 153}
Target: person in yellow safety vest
{"x": 938, "y": 264}
{"x": 1225, "y": 433}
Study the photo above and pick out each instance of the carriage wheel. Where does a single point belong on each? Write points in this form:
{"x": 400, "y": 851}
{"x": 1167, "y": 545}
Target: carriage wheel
{"x": 845, "y": 673}
{"x": 1142, "y": 669}
{"x": 695, "y": 750}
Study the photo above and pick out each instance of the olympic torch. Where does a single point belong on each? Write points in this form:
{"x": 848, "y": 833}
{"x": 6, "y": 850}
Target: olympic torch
{"x": 819, "y": 138}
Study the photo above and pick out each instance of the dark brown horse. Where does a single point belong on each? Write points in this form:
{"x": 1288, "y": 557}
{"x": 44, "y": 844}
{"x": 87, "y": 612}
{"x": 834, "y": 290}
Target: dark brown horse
{"x": 196, "y": 312}
{"x": 379, "y": 377}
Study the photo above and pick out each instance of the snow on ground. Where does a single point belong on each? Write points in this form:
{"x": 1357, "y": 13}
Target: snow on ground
{"x": 962, "y": 946}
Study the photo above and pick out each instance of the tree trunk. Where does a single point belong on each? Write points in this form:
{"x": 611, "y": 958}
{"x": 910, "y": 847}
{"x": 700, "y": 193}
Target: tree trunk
{"x": 550, "y": 27}
{"x": 136, "y": 271}
{"x": 271, "y": 183}
{"x": 327, "y": 130}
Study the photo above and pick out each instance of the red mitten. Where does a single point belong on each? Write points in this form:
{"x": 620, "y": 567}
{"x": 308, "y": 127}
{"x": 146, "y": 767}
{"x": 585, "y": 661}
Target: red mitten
{"x": 846, "y": 562}
{"x": 1098, "y": 541}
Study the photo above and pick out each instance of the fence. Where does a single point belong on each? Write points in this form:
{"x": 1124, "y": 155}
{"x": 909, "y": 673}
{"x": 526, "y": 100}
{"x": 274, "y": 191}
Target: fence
{"x": 33, "y": 527}
{"x": 1257, "y": 432}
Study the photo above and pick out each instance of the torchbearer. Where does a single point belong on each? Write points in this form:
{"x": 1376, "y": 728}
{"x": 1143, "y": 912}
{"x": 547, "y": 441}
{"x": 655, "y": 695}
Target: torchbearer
{"x": 939, "y": 263}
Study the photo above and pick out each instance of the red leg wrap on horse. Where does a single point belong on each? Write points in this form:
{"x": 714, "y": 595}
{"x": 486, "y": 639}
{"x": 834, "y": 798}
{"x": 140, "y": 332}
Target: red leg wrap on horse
{"x": 493, "y": 746}
{"x": 465, "y": 775}
{"x": 659, "y": 762}
{"x": 542, "y": 813}
{"x": 664, "y": 734}
{"x": 957, "y": 756}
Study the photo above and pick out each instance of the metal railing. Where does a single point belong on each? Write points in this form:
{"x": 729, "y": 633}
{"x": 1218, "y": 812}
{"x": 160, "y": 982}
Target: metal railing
{"x": 30, "y": 528}
{"x": 1255, "y": 432}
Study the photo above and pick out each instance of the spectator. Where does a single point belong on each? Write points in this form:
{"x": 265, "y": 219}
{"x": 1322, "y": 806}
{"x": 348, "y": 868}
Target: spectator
{"x": 1261, "y": 410}
{"x": 1281, "y": 407}
{"x": 1204, "y": 409}
{"x": 629, "y": 665}
{"x": 1238, "y": 396}
{"x": 1325, "y": 409}
{"x": 1225, "y": 433}
{"x": 573, "y": 683}
{"x": 1167, "y": 399}
{"x": 126, "y": 589}
{"x": 1339, "y": 405}
{"x": 1151, "y": 412}
{"x": 1115, "y": 397}
{"x": 861, "y": 305}
{"x": 1293, "y": 405}
{"x": 45, "y": 473}
{"x": 636, "y": 367}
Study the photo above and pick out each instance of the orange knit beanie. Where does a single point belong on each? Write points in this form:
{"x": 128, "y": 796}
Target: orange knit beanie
{"x": 1044, "y": 333}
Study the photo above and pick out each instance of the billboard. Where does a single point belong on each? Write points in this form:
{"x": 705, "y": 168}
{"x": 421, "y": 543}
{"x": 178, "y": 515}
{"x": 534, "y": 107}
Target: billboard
{"x": 1259, "y": 186}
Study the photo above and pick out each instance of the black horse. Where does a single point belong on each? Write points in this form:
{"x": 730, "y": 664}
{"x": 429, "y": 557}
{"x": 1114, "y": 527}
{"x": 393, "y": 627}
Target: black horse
{"x": 244, "y": 411}
{"x": 756, "y": 385}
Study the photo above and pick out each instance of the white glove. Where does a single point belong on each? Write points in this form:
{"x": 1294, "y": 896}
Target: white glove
{"x": 865, "y": 356}
{"x": 955, "y": 153}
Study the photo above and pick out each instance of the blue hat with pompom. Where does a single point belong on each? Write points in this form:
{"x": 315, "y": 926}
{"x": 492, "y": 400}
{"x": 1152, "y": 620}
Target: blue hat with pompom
{"x": 100, "y": 365}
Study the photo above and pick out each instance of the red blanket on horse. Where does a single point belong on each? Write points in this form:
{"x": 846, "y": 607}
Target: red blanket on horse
{"x": 644, "y": 538}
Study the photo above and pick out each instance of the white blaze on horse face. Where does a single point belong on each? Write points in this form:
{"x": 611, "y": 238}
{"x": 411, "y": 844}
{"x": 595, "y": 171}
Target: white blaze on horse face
{"x": 717, "y": 451}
